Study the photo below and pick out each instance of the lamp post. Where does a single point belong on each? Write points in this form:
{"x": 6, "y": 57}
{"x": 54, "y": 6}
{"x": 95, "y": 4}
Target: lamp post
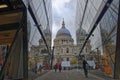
{"x": 52, "y": 56}
{"x": 98, "y": 58}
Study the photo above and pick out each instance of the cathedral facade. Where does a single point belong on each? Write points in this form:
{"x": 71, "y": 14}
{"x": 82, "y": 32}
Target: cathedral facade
{"x": 64, "y": 47}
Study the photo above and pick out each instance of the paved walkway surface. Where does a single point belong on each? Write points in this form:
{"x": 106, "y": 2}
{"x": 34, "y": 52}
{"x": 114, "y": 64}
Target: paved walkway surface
{"x": 68, "y": 75}
{"x": 101, "y": 74}
{"x": 32, "y": 75}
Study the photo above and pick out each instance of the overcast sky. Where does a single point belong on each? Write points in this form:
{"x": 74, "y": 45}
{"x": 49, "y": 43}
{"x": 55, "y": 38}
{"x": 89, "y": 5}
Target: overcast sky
{"x": 64, "y": 9}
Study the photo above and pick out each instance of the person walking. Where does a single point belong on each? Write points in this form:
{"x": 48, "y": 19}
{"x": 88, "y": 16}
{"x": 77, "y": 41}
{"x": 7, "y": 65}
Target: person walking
{"x": 46, "y": 66}
{"x": 40, "y": 68}
{"x": 85, "y": 68}
{"x": 60, "y": 67}
{"x": 55, "y": 67}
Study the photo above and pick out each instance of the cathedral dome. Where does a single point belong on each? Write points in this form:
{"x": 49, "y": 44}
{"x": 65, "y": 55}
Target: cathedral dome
{"x": 63, "y": 31}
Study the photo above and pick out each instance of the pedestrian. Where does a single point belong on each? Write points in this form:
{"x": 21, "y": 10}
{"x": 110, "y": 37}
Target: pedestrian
{"x": 60, "y": 67}
{"x": 85, "y": 64}
{"x": 55, "y": 67}
{"x": 35, "y": 69}
{"x": 46, "y": 66}
{"x": 40, "y": 68}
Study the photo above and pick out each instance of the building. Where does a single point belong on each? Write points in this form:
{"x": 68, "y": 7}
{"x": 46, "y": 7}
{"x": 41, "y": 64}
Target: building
{"x": 64, "y": 47}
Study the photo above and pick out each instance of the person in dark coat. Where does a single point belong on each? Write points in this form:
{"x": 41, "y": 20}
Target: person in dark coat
{"x": 60, "y": 67}
{"x": 55, "y": 67}
{"x": 85, "y": 67}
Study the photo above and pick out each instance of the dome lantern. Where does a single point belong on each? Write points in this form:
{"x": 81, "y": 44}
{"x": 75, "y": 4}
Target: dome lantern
{"x": 63, "y": 24}
{"x": 63, "y": 31}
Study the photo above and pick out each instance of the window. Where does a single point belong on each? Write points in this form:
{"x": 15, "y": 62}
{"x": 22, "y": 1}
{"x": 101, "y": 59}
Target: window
{"x": 67, "y": 50}
{"x": 67, "y": 59}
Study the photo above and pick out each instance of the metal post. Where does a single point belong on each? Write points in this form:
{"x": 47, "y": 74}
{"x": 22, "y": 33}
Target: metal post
{"x": 98, "y": 58}
{"x": 25, "y": 48}
{"x": 52, "y": 57}
{"x": 77, "y": 64}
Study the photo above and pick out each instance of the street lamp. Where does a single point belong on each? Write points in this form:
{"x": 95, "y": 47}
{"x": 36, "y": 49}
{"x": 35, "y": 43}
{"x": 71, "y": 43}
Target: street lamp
{"x": 52, "y": 57}
{"x": 98, "y": 58}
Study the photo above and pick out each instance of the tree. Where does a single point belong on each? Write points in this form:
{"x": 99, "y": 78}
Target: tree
{"x": 73, "y": 60}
